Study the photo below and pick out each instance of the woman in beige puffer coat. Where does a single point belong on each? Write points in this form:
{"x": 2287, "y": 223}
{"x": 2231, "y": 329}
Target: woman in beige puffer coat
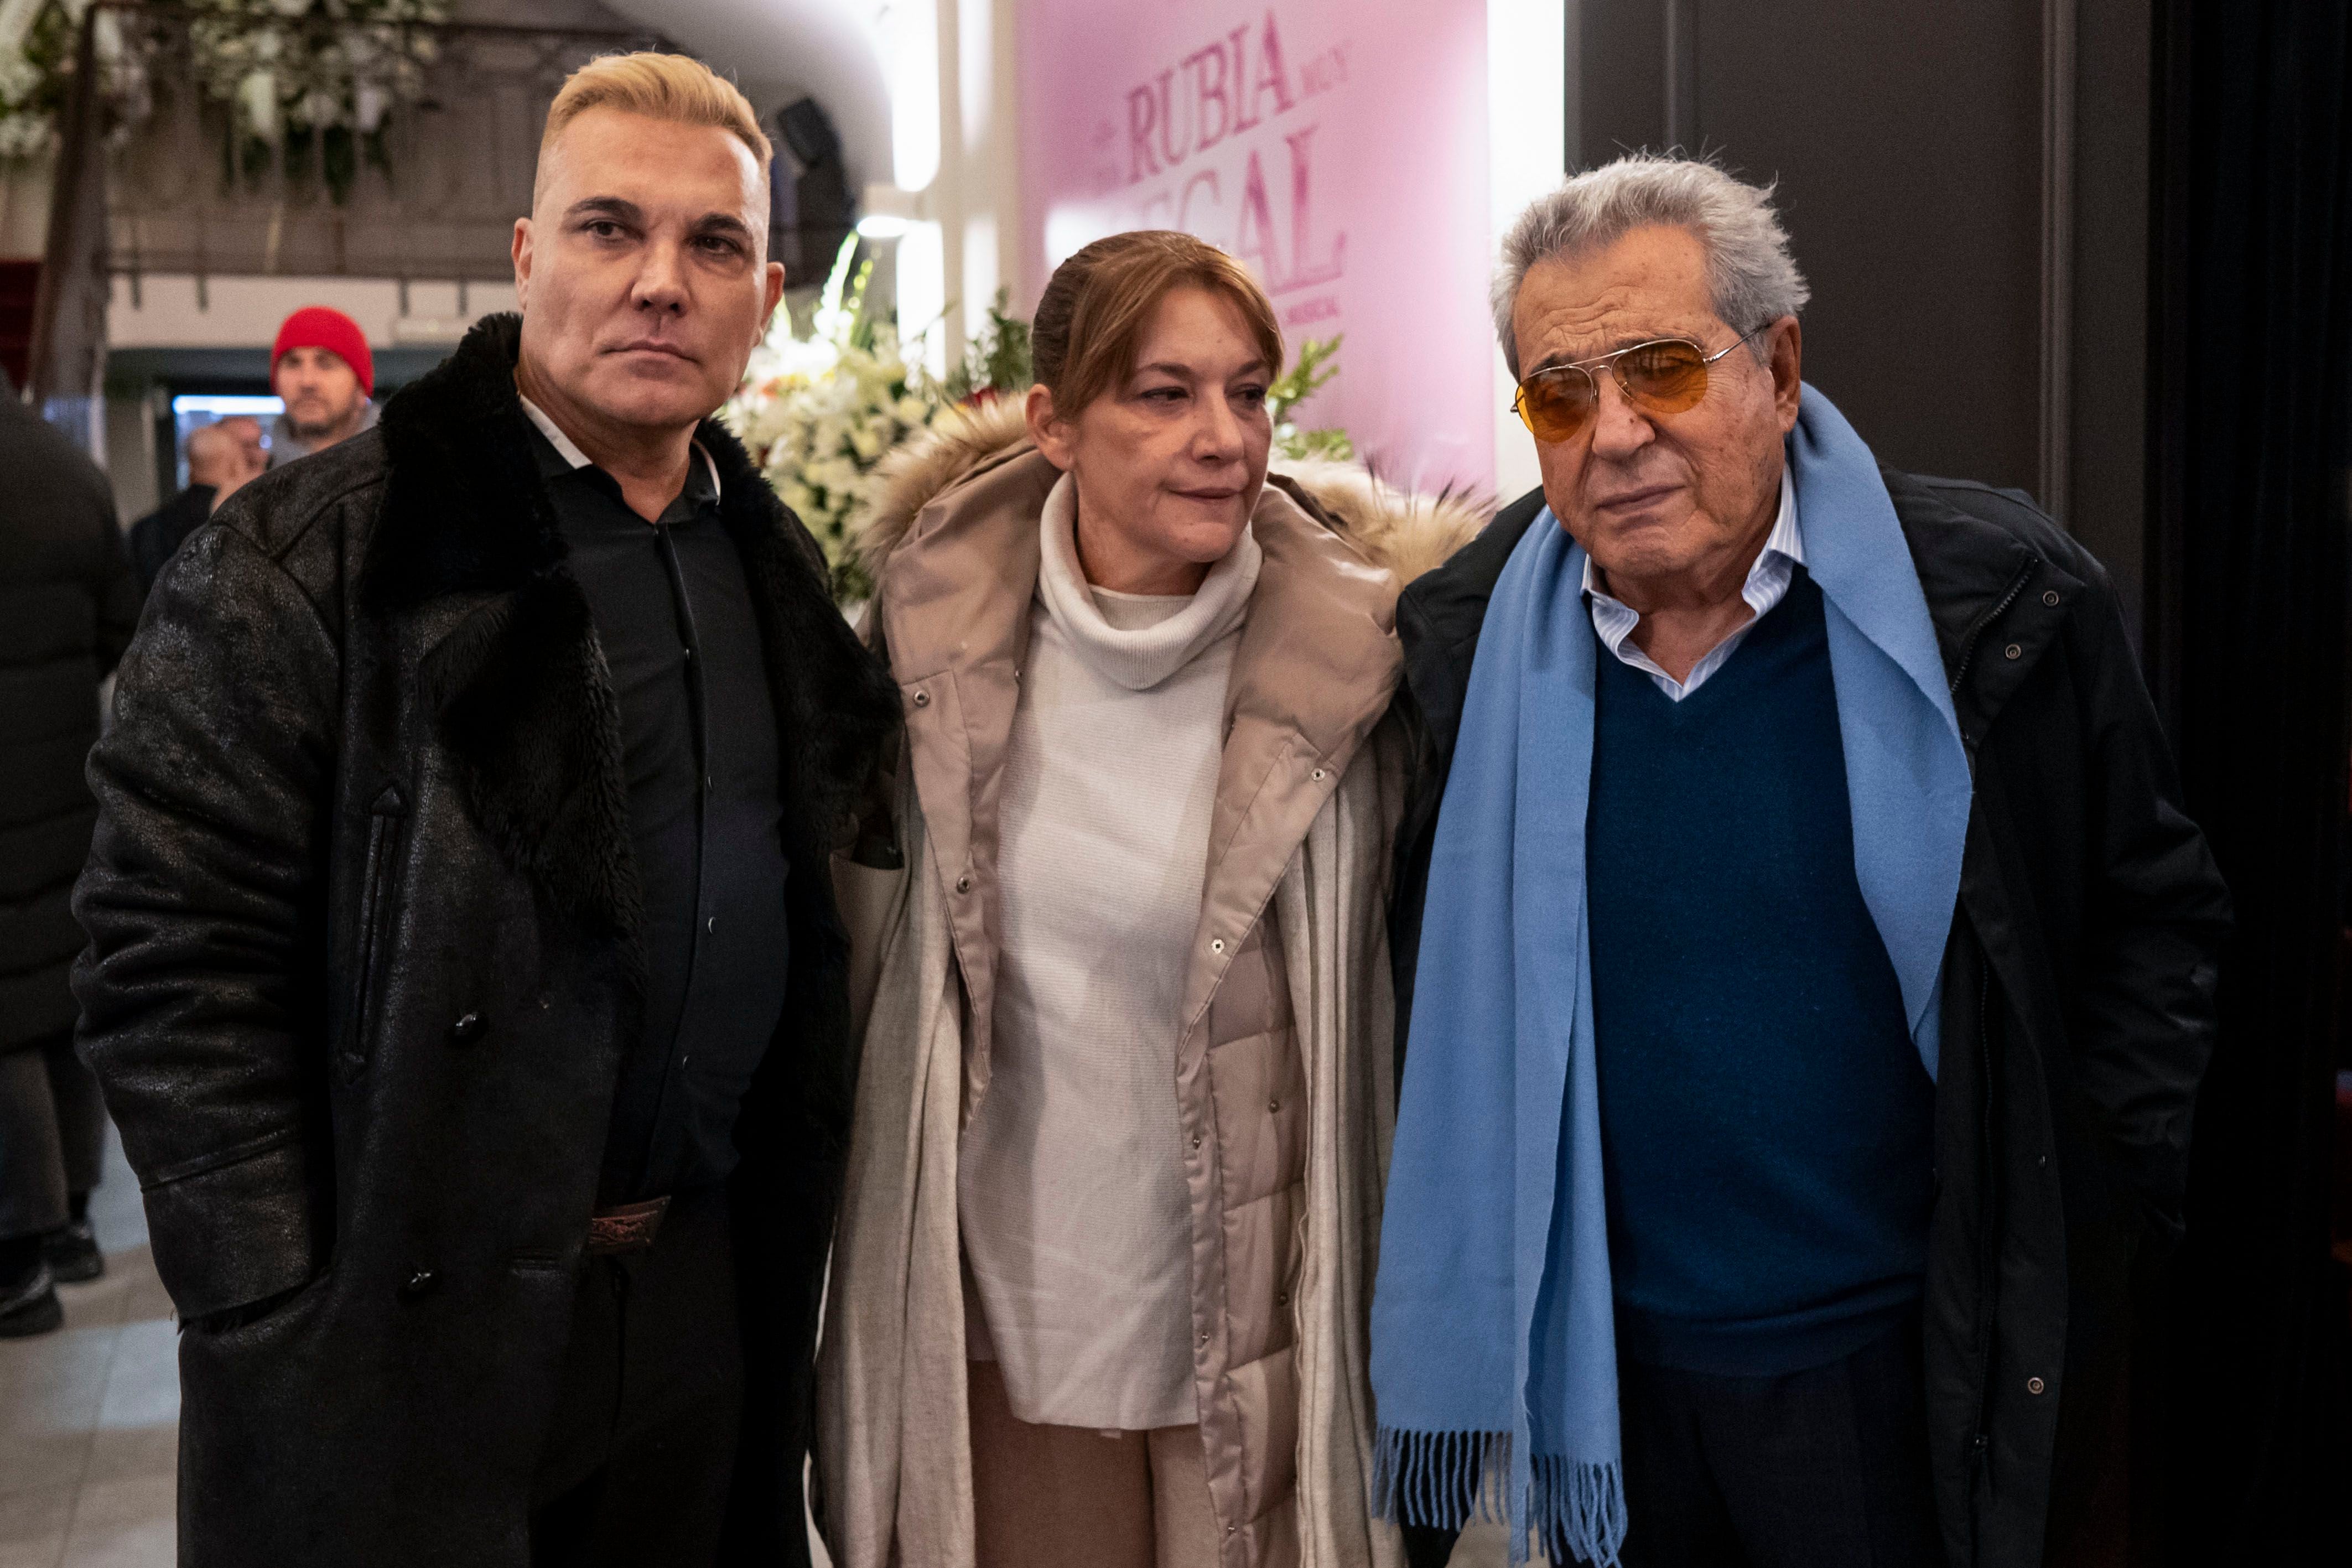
{"x": 1103, "y": 1270}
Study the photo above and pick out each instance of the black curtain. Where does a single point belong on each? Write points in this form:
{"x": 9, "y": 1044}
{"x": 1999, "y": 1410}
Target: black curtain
{"x": 2239, "y": 1389}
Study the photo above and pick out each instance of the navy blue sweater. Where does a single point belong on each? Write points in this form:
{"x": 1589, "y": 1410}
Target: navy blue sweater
{"x": 1767, "y": 1126}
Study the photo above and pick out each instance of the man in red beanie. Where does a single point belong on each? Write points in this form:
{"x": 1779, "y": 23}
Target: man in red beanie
{"x": 322, "y": 367}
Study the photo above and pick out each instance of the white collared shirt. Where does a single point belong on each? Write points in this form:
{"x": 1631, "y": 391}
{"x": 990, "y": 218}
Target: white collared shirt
{"x": 569, "y": 449}
{"x": 1768, "y": 583}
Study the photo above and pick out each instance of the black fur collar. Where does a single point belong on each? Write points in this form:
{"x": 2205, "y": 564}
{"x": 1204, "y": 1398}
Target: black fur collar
{"x": 522, "y": 699}
{"x": 463, "y": 508}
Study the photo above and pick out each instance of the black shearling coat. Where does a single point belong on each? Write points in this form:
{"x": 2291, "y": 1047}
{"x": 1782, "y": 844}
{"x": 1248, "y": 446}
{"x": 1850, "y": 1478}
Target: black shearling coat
{"x": 366, "y": 780}
{"x": 2078, "y": 1004}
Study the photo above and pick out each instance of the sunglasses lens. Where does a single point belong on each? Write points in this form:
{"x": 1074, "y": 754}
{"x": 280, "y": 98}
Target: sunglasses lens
{"x": 1556, "y": 405}
{"x": 1664, "y": 378}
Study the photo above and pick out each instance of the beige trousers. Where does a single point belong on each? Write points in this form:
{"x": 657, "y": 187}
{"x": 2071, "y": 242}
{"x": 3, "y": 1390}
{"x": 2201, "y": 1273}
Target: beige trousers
{"x": 1067, "y": 1497}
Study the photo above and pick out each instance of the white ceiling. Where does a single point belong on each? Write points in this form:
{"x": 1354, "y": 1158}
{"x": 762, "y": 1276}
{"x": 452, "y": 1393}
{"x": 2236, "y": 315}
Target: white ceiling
{"x": 778, "y": 50}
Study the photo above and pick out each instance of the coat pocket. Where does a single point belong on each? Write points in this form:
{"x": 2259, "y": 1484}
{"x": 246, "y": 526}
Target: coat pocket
{"x": 386, "y": 820}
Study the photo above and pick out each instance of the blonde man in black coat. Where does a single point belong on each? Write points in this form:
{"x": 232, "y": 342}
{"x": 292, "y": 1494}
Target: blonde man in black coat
{"x": 464, "y": 970}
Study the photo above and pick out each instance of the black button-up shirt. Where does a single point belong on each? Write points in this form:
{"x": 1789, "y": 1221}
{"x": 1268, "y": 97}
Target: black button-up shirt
{"x": 672, "y": 613}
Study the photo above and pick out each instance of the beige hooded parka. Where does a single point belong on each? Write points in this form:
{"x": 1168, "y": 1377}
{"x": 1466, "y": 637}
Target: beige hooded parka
{"x": 1283, "y": 1079}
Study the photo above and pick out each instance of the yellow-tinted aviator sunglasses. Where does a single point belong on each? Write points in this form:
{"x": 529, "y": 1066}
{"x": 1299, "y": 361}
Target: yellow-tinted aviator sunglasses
{"x": 1665, "y": 375}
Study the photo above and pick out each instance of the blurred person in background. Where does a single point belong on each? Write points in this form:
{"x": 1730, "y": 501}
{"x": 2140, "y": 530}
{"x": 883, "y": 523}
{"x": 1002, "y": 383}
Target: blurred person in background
{"x": 321, "y": 369}
{"x": 222, "y": 457}
{"x": 251, "y": 436}
{"x": 1099, "y": 1296}
{"x": 463, "y": 967}
{"x": 1809, "y": 962}
{"x": 67, "y": 604}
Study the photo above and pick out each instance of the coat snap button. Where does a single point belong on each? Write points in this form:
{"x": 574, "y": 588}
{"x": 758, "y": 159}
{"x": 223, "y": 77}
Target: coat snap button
{"x": 964, "y": 884}
{"x": 1216, "y": 944}
{"x": 1204, "y": 1339}
{"x": 2013, "y": 651}
{"x": 420, "y": 1283}
{"x": 1196, "y": 1140}
{"x": 1273, "y": 1105}
{"x": 1318, "y": 775}
{"x": 2034, "y": 1385}
{"x": 468, "y": 1029}
{"x": 922, "y": 698}
{"x": 2051, "y": 597}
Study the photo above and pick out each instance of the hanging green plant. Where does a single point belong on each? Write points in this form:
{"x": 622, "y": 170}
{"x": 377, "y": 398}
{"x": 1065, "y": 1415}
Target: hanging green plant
{"x": 310, "y": 85}
{"x": 37, "y": 43}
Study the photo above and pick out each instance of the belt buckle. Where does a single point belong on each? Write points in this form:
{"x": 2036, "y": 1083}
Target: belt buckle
{"x": 630, "y": 1227}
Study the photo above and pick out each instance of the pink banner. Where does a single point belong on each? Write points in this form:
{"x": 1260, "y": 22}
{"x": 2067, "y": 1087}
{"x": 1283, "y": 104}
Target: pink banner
{"x": 1338, "y": 147}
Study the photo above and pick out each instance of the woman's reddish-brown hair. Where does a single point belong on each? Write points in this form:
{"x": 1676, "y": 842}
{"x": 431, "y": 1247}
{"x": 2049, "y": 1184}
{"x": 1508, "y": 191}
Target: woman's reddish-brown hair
{"x": 1091, "y": 319}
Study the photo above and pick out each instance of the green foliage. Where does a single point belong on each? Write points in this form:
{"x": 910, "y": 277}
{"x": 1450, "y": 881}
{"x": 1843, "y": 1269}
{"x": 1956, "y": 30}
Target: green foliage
{"x": 1310, "y": 372}
{"x": 1314, "y": 369}
{"x": 997, "y": 360}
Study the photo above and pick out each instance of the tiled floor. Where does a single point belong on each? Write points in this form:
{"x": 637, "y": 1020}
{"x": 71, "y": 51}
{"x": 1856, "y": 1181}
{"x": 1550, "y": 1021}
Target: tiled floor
{"x": 90, "y": 1416}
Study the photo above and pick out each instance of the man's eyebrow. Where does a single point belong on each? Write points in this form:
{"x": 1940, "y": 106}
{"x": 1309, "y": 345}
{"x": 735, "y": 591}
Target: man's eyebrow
{"x": 710, "y": 223}
{"x": 1624, "y": 341}
{"x": 612, "y": 207}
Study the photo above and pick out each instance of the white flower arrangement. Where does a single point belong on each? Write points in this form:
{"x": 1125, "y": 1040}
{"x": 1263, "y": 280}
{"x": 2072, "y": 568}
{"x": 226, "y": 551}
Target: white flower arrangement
{"x": 819, "y": 413}
{"x": 295, "y": 74}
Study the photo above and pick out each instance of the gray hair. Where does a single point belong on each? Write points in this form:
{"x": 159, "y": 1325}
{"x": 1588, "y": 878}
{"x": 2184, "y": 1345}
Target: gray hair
{"x": 1751, "y": 277}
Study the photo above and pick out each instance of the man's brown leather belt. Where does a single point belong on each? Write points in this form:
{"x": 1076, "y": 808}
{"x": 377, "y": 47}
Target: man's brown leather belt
{"x": 631, "y": 1227}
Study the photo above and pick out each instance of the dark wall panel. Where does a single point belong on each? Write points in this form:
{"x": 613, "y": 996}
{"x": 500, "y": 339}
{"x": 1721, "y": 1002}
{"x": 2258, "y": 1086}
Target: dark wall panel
{"x": 1908, "y": 144}
{"x": 1908, "y": 141}
{"x": 2107, "y": 487}
{"x": 1621, "y": 72}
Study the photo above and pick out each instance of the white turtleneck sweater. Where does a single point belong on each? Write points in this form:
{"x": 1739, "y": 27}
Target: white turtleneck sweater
{"x": 1075, "y": 1218}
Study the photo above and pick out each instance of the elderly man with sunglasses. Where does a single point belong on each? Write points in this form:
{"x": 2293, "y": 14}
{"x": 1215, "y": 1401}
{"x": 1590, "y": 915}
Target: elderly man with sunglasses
{"x": 1807, "y": 964}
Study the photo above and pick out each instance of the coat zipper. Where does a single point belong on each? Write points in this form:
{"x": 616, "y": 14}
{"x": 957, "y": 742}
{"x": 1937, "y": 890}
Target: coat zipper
{"x": 383, "y": 834}
{"x": 1976, "y": 632}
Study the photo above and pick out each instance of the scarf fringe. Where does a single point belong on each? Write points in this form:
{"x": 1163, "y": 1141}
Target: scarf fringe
{"x": 1575, "y": 1511}
{"x": 1442, "y": 1480}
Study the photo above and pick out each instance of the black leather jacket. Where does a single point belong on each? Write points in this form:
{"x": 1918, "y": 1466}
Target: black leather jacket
{"x": 2078, "y": 989}
{"x": 364, "y": 948}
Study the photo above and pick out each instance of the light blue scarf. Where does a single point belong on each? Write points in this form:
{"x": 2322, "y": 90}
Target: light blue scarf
{"x": 1494, "y": 1345}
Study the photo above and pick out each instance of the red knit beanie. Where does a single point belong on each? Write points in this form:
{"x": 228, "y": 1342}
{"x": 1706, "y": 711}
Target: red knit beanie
{"x": 319, "y": 327}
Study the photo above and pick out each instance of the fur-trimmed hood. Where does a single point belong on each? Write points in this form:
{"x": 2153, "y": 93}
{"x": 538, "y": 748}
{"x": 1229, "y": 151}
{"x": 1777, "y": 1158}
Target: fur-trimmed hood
{"x": 1403, "y": 533}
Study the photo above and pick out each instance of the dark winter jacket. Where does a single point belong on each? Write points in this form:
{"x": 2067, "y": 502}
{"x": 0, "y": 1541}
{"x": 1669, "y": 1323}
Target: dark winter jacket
{"x": 2078, "y": 988}
{"x": 67, "y": 602}
{"x": 364, "y": 951}
{"x": 155, "y": 537}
